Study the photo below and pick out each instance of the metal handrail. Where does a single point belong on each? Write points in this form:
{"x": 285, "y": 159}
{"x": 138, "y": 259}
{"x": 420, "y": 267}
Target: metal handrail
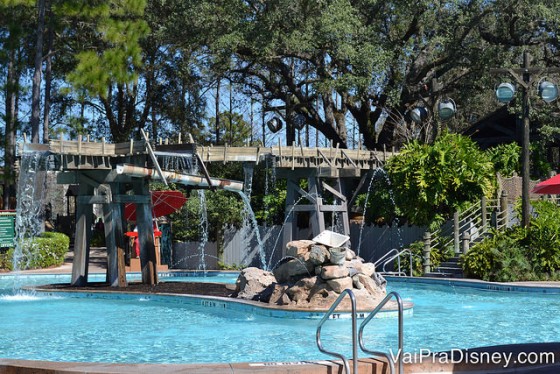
{"x": 400, "y": 332}
{"x": 398, "y": 255}
{"x": 394, "y": 250}
{"x": 470, "y": 216}
{"x": 354, "y": 335}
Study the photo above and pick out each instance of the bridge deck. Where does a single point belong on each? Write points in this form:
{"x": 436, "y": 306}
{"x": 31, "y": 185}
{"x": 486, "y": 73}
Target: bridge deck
{"x": 79, "y": 154}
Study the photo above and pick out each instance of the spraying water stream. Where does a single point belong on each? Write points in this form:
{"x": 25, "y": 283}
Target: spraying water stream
{"x": 29, "y": 221}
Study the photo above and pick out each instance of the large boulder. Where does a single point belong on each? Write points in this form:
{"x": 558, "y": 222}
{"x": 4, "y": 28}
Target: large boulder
{"x": 278, "y": 294}
{"x": 340, "y": 284}
{"x": 298, "y": 248}
{"x": 289, "y": 271}
{"x": 308, "y": 277}
{"x": 334, "y": 272}
{"x": 252, "y": 282}
{"x": 318, "y": 254}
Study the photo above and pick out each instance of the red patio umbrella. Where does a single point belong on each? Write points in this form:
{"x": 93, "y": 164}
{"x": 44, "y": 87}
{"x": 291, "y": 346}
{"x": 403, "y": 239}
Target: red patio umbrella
{"x": 163, "y": 203}
{"x": 550, "y": 186}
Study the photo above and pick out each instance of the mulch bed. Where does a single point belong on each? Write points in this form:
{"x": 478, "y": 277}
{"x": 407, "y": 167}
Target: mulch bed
{"x": 185, "y": 288}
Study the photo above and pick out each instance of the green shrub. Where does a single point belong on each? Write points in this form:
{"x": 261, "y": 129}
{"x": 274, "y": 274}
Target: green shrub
{"x": 543, "y": 237}
{"x": 6, "y": 256}
{"x": 44, "y": 251}
{"x": 499, "y": 258}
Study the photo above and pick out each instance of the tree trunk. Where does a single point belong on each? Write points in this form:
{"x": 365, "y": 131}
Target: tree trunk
{"x": 36, "y": 90}
{"x": 9, "y": 139}
{"x": 218, "y": 111}
{"x": 48, "y": 82}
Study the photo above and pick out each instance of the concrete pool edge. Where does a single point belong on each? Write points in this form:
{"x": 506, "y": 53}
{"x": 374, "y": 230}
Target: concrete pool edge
{"x": 529, "y": 287}
{"x": 217, "y": 302}
{"x": 426, "y": 364}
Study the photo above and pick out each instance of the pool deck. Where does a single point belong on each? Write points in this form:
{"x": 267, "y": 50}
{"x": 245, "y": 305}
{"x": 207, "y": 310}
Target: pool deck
{"x": 451, "y": 362}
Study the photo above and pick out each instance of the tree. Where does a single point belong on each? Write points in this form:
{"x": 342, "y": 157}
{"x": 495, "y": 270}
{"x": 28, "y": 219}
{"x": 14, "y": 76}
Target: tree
{"x": 13, "y": 31}
{"x": 371, "y": 60}
{"x": 109, "y": 58}
{"x": 430, "y": 182}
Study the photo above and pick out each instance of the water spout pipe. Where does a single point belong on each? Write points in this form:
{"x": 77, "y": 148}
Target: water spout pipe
{"x": 186, "y": 179}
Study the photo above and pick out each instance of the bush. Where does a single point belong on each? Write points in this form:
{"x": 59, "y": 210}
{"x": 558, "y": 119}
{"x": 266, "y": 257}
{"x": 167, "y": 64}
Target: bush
{"x": 500, "y": 258}
{"x": 433, "y": 181}
{"x": 44, "y": 251}
{"x": 6, "y": 256}
{"x": 543, "y": 237}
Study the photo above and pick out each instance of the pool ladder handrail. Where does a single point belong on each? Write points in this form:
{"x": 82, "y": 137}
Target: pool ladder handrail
{"x": 398, "y": 257}
{"x": 397, "y": 254}
{"x": 389, "y": 357}
{"x": 354, "y": 334}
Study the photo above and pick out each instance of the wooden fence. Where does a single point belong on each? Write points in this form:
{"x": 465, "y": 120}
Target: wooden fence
{"x": 241, "y": 248}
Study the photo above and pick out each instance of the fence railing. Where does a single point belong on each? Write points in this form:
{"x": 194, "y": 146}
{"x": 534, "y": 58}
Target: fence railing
{"x": 471, "y": 225}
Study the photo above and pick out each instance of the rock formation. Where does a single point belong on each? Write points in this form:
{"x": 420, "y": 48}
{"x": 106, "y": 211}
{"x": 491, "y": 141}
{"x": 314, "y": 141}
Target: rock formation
{"x": 312, "y": 276}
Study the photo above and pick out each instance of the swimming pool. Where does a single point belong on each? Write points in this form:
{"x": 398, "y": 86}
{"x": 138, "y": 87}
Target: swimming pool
{"x": 140, "y": 329}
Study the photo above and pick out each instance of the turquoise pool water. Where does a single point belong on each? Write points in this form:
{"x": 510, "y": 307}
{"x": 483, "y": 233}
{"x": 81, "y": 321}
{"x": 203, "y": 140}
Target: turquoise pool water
{"x": 140, "y": 329}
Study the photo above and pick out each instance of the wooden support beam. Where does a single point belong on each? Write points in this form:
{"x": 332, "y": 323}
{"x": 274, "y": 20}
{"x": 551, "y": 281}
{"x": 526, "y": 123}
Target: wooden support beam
{"x": 332, "y": 190}
{"x": 300, "y": 191}
{"x": 114, "y": 239}
{"x": 84, "y": 215}
{"x": 153, "y": 156}
{"x": 317, "y": 217}
{"x": 95, "y": 177}
{"x": 290, "y": 221}
{"x": 144, "y": 225}
{"x": 93, "y": 199}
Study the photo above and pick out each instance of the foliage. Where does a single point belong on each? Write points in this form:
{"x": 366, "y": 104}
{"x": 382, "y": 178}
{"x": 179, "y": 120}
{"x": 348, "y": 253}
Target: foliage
{"x": 506, "y": 159}
{"x": 43, "y": 251}
{"x": 222, "y": 208}
{"x": 499, "y": 258}
{"x": 520, "y": 254}
{"x": 272, "y": 211}
{"x": 224, "y": 266}
{"x": 540, "y": 167}
{"x": 6, "y": 256}
{"x": 380, "y": 205}
{"x": 234, "y": 130}
{"x": 432, "y": 181}
{"x": 543, "y": 237}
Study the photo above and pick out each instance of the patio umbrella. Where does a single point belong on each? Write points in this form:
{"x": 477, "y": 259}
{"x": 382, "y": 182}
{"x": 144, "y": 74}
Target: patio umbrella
{"x": 550, "y": 186}
{"x": 163, "y": 203}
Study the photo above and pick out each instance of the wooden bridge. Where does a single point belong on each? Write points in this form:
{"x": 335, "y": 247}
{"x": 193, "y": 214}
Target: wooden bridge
{"x": 330, "y": 172}
{"x": 80, "y": 154}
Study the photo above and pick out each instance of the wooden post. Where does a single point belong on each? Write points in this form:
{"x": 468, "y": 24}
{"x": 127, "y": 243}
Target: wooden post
{"x": 426, "y": 252}
{"x": 466, "y": 242}
{"x": 456, "y": 225}
{"x": 483, "y": 212}
{"x": 317, "y": 216}
{"x": 504, "y": 216}
{"x": 144, "y": 224}
{"x": 289, "y": 223}
{"x": 84, "y": 215}
{"x": 345, "y": 192}
{"x": 114, "y": 239}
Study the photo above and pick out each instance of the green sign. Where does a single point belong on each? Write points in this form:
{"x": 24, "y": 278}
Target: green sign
{"x": 7, "y": 228}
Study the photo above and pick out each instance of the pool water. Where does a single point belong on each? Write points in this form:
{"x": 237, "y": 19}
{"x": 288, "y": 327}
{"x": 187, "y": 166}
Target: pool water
{"x": 144, "y": 330}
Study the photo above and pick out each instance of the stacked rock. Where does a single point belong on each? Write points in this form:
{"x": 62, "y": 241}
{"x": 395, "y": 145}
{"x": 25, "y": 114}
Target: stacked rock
{"x": 311, "y": 276}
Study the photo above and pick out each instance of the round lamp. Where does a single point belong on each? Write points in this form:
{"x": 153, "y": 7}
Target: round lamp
{"x": 505, "y": 92}
{"x": 418, "y": 114}
{"x": 548, "y": 91}
{"x": 299, "y": 121}
{"x": 274, "y": 124}
{"x": 446, "y": 109}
